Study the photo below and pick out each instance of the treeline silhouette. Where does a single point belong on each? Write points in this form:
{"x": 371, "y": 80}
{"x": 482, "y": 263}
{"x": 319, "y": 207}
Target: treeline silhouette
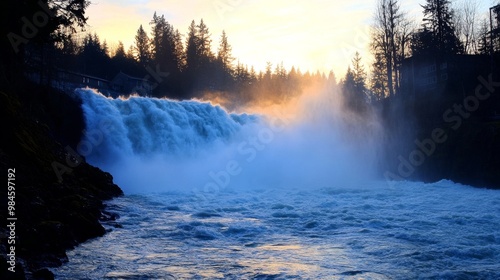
{"x": 197, "y": 64}
{"x": 184, "y": 67}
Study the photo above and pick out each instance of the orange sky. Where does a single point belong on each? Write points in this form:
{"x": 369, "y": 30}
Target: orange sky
{"x": 311, "y": 35}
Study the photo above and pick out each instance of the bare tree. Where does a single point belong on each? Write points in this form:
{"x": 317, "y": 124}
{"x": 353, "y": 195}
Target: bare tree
{"x": 483, "y": 39}
{"x": 391, "y": 40}
{"x": 466, "y": 22}
{"x": 404, "y": 33}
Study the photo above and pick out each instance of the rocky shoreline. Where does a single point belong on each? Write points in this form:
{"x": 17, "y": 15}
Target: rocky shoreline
{"x": 58, "y": 199}
{"x": 53, "y": 213}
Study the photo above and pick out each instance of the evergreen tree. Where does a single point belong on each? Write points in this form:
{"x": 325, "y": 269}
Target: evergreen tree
{"x": 349, "y": 82}
{"x": 280, "y": 71}
{"x": 105, "y": 48}
{"x": 354, "y": 85}
{"x": 165, "y": 45}
{"x": 159, "y": 29}
{"x": 268, "y": 73}
{"x": 240, "y": 74}
{"x": 359, "y": 74}
{"x": 131, "y": 52}
{"x": 68, "y": 44}
{"x": 192, "y": 57}
{"x": 142, "y": 47}
{"x": 191, "y": 39}
{"x": 193, "y": 62}
{"x": 378, "y": 81}
{"x": 63, "y": 17}
{"x": 224, "y": 53}
{"x": 125, "y": 62}
{"x": 204, "y": 42}
{"x": 253, "y": 75}
{"x": 200, "y": 70}
{"x": 224, "y": 61}
{"x": 279, "y": 81}
{"x": 93, "y": 57}
{"x": 179, "y": 51}
{"x": 332, "y": 79}
{"x": 423, "y": 43}
{"x": 438, "y": 22}
{"x": 120, "y": 50}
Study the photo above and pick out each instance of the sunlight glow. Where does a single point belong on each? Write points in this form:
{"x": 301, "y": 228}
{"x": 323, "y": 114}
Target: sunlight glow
{"x": 310, "y": 35}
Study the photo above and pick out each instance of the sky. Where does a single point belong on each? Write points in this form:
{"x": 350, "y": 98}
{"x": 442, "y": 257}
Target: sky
{"x": 310, "y": 35}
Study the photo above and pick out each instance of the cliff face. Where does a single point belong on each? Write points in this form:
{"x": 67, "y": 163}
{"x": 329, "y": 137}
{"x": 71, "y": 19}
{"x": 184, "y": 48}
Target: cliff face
{"x": 54, "y": 213}
{"x": 423, "y": 147}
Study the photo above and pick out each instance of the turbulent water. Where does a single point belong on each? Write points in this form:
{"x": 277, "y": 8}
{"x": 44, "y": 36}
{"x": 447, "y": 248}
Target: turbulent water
{"x": 152, "y": 144}
{"x": 218, "y": 195}
{"x": 405, "y": 231}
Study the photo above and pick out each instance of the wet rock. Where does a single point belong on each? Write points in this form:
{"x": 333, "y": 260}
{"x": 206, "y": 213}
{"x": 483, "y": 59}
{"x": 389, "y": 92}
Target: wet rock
{"x": 58, "y": 211}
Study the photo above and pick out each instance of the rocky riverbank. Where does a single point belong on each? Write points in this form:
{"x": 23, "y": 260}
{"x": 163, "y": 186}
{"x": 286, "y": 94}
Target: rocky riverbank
{"x": 52, "y": 213}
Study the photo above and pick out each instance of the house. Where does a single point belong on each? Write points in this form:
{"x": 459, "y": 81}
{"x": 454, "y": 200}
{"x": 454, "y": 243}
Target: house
{"x": 126, "y": 84}
{"x": 438, "y": 82}
{"x": 431, "y": 75}
{"x": 121, "y": 84}
{"x": 69, "y": 80}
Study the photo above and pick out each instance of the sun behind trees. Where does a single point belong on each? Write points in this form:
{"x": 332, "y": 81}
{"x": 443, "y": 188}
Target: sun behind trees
{"x": 198, "y": 71}
{"x": 192, "y": 66}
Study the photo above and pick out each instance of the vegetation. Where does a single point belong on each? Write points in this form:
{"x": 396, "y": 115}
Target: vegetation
{"x": 445, "y": 30}
{"x": 38, "y": 121}
{"x": 194, "y": 69}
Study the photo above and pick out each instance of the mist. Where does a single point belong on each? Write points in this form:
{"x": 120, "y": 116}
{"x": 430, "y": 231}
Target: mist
{"x": 158, "y": 145}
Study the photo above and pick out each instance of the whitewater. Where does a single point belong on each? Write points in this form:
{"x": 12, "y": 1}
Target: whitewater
{"x": 218, "y": 195}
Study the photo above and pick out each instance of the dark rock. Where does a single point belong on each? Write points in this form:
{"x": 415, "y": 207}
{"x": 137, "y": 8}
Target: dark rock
{"x": 43, "y": 274}
{"x": 108, "y": 216}
{"x": 55, "y": 213}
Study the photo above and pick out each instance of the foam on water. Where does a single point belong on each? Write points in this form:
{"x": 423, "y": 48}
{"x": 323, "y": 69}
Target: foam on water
{"x": 274, "y": 195}
{"x": 408, "y": 231}
{"x": 150, "y": 144}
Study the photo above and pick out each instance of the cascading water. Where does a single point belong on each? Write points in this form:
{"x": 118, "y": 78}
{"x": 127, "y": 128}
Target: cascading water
{"x": 158, "y": 144}
{"x": 214, "y": 195}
